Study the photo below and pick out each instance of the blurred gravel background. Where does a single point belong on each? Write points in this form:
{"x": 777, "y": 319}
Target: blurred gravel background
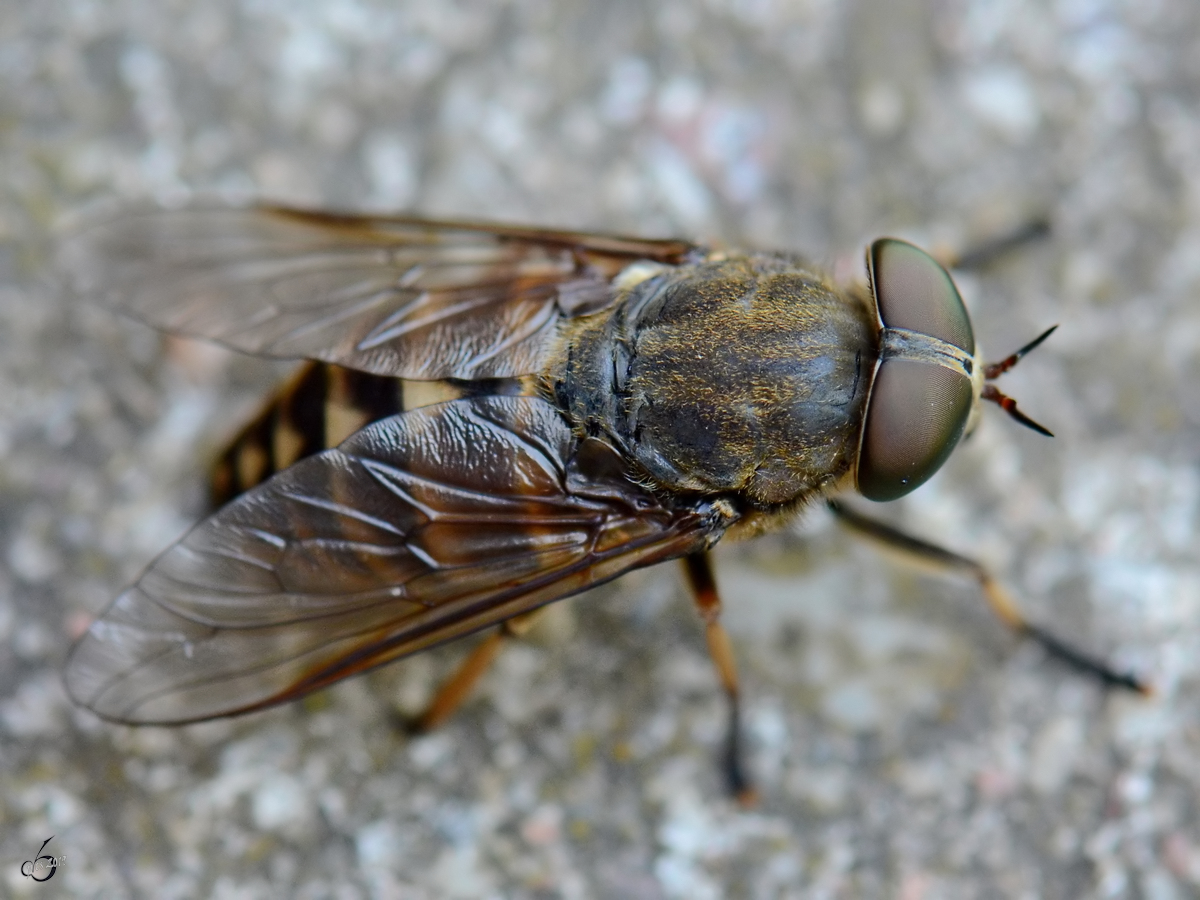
{"x": 906, "y": 746}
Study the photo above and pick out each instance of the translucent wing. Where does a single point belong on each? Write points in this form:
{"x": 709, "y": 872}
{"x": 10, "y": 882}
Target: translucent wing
{"x": 420, "y": 528}
{"x": 392, "y": 296}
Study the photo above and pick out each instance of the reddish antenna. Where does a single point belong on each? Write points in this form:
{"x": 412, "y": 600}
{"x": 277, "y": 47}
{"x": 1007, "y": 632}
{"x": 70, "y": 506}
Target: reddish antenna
{"x": 1006, "y": 403}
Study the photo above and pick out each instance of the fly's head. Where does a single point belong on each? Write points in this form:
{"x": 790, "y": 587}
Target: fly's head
{"x": 929, "y": 377}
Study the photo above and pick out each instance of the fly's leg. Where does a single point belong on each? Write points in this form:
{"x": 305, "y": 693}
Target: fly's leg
{"x": 708, "y": 604}
{"x": 942, "y": 560}
{"x": 455, "y": 689}
{"x": 988, "y": 251}
{"x": 983, "y": 254}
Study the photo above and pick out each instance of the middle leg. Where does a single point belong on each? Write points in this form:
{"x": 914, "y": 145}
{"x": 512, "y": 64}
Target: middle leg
{"x": 708, "y": 604}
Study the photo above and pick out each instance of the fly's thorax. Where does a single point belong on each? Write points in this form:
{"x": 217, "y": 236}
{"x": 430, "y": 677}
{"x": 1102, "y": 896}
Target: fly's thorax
{"x": 745, "y": 375}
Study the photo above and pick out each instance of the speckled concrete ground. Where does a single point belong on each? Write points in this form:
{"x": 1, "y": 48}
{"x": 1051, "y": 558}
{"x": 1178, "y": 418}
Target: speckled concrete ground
{"x": 906, "y": 746}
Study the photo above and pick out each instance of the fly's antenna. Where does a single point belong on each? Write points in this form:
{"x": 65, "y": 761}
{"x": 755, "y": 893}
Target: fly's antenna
{"x": 1006, "y": 403}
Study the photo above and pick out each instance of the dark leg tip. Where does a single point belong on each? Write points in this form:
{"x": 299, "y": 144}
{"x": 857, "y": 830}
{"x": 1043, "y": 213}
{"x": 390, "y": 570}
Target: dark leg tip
{"x": 1089, "y": 665}
{"x": 740, "y": 785}
{"x": 410, "y": 726}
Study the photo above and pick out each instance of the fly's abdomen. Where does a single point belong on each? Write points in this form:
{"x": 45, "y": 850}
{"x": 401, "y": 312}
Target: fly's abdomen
{"x": 318, "y": 408}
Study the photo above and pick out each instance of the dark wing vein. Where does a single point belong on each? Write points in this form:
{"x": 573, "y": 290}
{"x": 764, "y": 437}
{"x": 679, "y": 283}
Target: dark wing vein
{"x": 327, "y": 569}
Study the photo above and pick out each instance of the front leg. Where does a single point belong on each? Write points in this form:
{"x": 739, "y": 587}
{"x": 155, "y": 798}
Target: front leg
{"x": 947, "y": 561}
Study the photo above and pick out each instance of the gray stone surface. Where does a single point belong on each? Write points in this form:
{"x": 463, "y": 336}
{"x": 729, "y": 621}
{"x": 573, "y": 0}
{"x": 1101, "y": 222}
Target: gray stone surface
{"x": 905, "y": 745}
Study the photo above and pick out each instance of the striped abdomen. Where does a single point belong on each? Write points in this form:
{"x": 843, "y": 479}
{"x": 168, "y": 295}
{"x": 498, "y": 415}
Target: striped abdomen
{"x": 317, "y": 408}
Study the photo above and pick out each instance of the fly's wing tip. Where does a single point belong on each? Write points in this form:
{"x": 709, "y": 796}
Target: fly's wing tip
{"x": 105, "y": 260}
{"x": 113, "y": 670}
{"x": 91, "y": 666}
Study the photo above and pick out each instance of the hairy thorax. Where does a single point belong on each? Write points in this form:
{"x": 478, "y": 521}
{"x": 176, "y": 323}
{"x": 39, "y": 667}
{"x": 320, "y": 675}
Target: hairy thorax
{"x": 744, "y": 375}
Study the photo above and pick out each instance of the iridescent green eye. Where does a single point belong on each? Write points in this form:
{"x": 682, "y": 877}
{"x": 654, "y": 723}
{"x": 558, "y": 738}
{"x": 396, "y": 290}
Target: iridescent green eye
{"x": 917, "y": 408}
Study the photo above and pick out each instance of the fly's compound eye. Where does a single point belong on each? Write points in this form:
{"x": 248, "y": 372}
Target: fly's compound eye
{"x": 917, "y": 408}
{"x": 915, "y": 293}
{"x": 915, "y": 417}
